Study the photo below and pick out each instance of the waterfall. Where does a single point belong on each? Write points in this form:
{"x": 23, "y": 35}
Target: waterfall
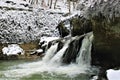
{"x": 57, "y": 58}
{"x": 84, "y": 55}
{"x": 50, "y": 52}
{"x": 52, "y": 61}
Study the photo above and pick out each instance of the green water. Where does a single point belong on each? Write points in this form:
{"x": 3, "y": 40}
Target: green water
{"x": 5, "y": 65}
{"x": 55, "y": 77}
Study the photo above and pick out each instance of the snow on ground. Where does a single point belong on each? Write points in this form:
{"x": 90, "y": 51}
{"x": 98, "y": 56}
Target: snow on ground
{"x": 62, "y": 6}
{"x": 94, "y": 7}
{"x": 48, "y": 39}
{"x": 14, "y": 3}
{"x": 113, "y": 74}
{"x": 76, "y": 13}
{"x": 12, "y": 49}
{"x": 24, "y": 26}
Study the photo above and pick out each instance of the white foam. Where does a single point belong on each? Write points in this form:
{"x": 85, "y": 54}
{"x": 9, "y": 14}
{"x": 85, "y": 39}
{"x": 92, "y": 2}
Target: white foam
{"x": 71, "y": 70}
{"x": 50, "y": 53}
{"x": 84, "y": 55}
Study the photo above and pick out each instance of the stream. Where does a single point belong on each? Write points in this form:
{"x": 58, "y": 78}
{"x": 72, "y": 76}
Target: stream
{"x": 8, "y": 66}
{"x": 52, "y": 66}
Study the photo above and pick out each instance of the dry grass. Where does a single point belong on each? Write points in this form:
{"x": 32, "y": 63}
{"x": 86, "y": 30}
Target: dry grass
{"x": 29, "y": 46}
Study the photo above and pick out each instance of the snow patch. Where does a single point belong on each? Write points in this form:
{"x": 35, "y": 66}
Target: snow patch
{"x": 27, "y": 26}
{"x": 46, "y": 40}
{"x": 14, "y": 3}
{"x": 39, "y": 50}
{"x": 113, "y": 74}
{"x": 13, "y": 49}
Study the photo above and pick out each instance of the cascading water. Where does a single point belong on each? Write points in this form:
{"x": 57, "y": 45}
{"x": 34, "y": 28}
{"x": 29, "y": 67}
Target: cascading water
{"x": 51, "y": 62}
{"x": 57, "y": 58}
{"x": 84, "y": 55}
{"x": 50, "y": 52}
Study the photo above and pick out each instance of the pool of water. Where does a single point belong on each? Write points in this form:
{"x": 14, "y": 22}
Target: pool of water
{"x": 10, "y": 65}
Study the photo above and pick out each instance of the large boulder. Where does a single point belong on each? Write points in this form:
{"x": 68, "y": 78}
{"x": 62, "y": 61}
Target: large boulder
{"x": 74, "y": 25}
{"x": 107, "y": 39}
{"x": 63, "y": 31}
{"x": 80, "y": 26}
{"x": 105, "y": 17}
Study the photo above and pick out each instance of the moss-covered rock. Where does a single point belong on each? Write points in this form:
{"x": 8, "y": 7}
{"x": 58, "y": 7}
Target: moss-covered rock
{"x": 63, "y": 31}
{"x": 1, "y": 54}
{"x": 105, "y": 17}
{"x": 80, "y": 26}
{"x": 72, "y": 51}
{"x": 107, "y": 40}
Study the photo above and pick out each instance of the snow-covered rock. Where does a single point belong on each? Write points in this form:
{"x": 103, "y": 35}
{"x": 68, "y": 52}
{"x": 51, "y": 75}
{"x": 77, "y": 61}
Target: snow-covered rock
{"x": 113, "y": 74}
{"x": 13, "y": 49}
{"x": 46, "y": 40}
{"x": 37, "y": 52}
{"x": 108, "y": 8}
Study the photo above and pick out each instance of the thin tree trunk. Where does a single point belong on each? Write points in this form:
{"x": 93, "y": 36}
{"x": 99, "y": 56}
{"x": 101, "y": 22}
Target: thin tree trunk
{"x": 55, "y": 4}
{"x": 32, "y": 2}
{"x": 36, "y": 1}
{"x": 73, "y": 5}
{"x": 69, "y": 6}
{"x": 51, "y": 4}
{"x": 42, "y": 2}
{"x": 48, "y": 2}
